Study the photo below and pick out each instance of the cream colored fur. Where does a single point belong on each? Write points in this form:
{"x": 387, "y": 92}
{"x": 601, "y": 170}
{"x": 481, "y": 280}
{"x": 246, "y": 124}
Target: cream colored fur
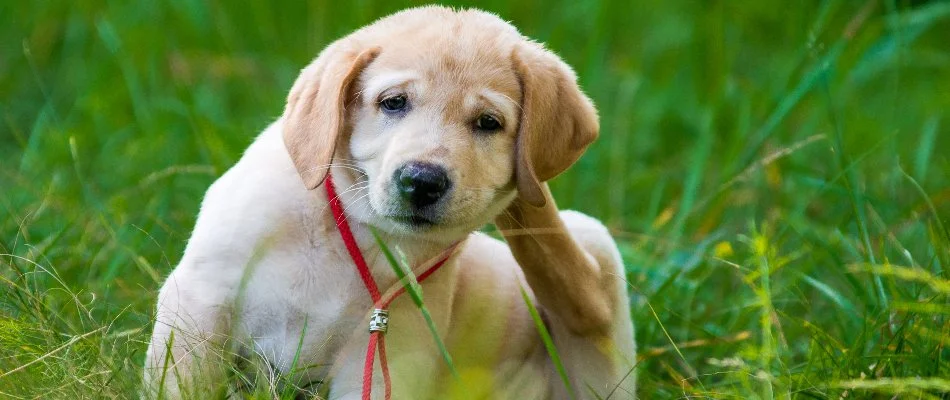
{"x": 265, "y": 279}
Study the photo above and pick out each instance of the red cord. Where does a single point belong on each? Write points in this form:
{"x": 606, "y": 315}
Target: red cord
{"x": 402, "y": 289}
{"x": 376, "y": 339}
{"x": 351, "y": 246}
{"x": 368, "y": 365}
{"x": 384, "y": 365}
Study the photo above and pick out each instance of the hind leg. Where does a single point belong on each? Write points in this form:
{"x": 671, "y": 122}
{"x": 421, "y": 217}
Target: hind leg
{"x": 602, "y": 363}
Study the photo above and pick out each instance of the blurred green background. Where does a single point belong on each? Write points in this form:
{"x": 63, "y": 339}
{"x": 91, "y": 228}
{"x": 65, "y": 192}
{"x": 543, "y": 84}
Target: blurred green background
{"x": 776, "y": 172}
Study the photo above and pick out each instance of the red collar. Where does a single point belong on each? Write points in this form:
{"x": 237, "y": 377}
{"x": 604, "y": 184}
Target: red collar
{"x": 380, "y": 317}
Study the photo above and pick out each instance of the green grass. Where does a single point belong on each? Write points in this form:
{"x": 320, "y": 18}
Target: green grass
{"x": 403, "y": 271}
{"x": 776, "y": 173}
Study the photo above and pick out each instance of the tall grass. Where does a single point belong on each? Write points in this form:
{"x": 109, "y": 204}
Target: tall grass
{"x": 776, "y": 174}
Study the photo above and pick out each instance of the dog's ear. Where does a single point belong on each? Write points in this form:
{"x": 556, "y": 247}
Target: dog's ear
{"x": 558, "y": 121}
{"x": 314, "y": 117}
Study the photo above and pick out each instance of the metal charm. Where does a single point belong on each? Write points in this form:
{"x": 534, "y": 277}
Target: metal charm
{"x": 379, "y": 322}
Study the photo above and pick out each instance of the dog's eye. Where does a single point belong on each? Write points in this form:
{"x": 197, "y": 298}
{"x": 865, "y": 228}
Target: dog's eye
{"x": 487, "y": 123}
{"x": 394, "y": 103}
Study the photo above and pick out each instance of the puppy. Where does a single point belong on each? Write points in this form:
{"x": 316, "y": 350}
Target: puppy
{"x": 431, "y": 123}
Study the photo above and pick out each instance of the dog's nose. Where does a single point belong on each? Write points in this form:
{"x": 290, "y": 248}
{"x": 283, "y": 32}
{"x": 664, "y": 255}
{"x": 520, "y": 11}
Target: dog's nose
{"x": 421, "y": 184}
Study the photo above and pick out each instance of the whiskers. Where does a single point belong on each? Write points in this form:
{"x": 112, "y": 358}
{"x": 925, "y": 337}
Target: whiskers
{"x": 339, "y": 163}
{"x": 358, "y": 201}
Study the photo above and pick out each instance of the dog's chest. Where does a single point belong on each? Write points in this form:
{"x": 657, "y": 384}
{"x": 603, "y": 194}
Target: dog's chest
{"x": 301, "y": 314}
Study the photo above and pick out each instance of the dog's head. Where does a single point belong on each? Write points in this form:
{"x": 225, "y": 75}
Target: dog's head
{"x": 441, "y": 116}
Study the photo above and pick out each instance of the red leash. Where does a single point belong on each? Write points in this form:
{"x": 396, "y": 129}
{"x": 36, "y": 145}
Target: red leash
{"x": 380, "y": 318}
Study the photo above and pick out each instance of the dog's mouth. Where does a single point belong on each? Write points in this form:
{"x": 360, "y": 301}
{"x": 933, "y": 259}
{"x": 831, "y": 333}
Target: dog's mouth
{"x": 414, "y": 220}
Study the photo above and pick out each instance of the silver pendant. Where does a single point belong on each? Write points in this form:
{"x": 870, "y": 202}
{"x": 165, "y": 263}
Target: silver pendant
{"x": 379, "y": 322}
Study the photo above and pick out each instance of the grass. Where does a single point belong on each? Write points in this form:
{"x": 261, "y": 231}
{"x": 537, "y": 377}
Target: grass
{"x": 548, "y": 342}
{"x": 413, "y": 289}
{"x": 775, "y": 172}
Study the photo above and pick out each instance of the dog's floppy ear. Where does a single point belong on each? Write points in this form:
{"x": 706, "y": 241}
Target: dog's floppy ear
{"x": 314, "y": 117}
{"x": 558, "y": 121}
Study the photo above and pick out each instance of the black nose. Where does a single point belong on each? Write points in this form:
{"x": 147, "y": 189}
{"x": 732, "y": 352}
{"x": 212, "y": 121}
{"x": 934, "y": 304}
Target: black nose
{"x": 421, "y": 184}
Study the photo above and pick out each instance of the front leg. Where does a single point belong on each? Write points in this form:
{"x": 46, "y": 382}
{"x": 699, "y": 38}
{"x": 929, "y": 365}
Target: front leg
{"x": 573, "y": 265}
{"x": 186, "y": 357}
{"x": 566, "y": 279}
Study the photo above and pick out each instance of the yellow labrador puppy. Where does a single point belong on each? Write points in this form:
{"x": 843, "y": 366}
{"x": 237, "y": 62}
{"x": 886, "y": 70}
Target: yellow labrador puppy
{"x": 431, "y": 123}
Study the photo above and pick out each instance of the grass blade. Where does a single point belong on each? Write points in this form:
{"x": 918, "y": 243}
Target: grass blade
{"x": 289, "y": 388}
{"x": 415, "y": 292}
{"x": 548, "y": 342}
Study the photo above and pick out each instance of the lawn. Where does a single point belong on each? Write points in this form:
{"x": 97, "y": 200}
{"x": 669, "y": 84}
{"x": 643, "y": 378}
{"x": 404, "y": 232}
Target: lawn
{"x": 776, "y": 173}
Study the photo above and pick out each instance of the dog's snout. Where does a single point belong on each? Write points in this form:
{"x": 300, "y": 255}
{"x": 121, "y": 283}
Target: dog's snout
{"x": 421, "y": 184}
